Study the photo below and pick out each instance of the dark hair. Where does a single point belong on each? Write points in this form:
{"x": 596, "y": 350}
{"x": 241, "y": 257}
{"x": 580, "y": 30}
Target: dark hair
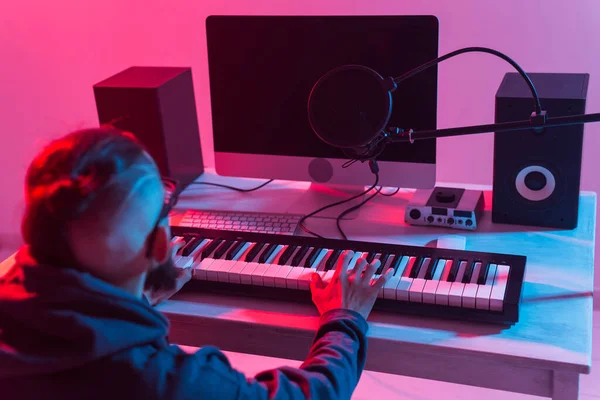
{"x": 62, "y": 182}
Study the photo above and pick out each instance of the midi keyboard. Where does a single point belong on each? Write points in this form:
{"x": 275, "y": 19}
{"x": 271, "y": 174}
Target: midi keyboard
{"x": 435, "y": 282}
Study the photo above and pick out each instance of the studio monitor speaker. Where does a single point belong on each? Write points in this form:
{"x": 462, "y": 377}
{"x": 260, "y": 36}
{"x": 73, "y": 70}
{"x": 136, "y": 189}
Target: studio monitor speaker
{"x": 157, "y": 105}
{"x": 537, "y": 174}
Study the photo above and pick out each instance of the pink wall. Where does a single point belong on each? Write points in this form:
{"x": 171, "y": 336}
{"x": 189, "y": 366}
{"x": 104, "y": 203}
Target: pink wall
{"x": 52, "y": 53}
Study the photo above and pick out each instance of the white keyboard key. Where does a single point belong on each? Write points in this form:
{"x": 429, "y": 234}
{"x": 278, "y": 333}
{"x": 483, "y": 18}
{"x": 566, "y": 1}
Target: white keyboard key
{"x": 200, "y": 268}
{"x": 455, "y": 295}
{"x": 389, "y": 290}
{"x": 405, "y": 282}
{"x": 223, "y": 271}
{"x": 499, "y": 288}
{"x": 415, "y": 292}
{"x": 443, "y": 289}
{"x": 291, "y": 280}
{"x": 482, "y": 299}
{"x": 431, "y": 285}
{"x": 228, "y": 267}
{"x": 258, "y": 273}
{"x": 246, "y": 273}
{"x": 212, "y": 270}
{"x": 468, "y": 295}
{"x": 304, "y": 278}
{"x": 281, "y": 276}
{"x": 234, "y": 273}
{"x": 442, "y": 294}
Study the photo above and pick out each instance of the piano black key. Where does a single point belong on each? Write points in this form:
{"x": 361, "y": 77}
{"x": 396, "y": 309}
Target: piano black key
{"x": 191, "y": 245}
{"x": 383, "y": 259}
{"x": 395, "y": 262}
{"x": 371, "y": 257}
{"x": 332, "y": 259}
{"x": 311, "y": 257}
{"x": 287, "y": 254}
{"x": 222, "y": 249}
{"x": 211, "y": 247}
{"x": 267, "y": 253}
{"x": 454, "y": 270}
{"x": 300, "y": 255}
{"x": 255, "y": 250}
{"x": 431, "y": 269}
{"x": 235, "y": 250}
{"x": 417, "y": 267}
{"x": 485, "y": 268}
{"x": 468, "y": 272}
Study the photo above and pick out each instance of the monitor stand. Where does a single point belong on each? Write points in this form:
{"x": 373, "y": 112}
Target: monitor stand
{"x": 319, "y": 195}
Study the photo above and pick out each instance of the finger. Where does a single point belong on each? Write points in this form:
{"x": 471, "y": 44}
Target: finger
{"x": 316, "y": 282}
{"x": 358, "y": 269}
{"x": 342, "y": 265}
{"x": 184, "y": 277}
{"x": 383, "y": 279}
{"x": 370, "y": 271}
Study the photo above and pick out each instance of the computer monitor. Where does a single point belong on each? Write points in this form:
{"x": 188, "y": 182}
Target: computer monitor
{"x": 262, "y": 69}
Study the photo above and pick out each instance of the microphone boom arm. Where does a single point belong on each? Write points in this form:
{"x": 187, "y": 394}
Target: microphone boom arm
{"x": 536, "y": 122}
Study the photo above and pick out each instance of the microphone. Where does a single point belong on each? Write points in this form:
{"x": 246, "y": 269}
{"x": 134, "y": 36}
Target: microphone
{"x": 350, "y": 107}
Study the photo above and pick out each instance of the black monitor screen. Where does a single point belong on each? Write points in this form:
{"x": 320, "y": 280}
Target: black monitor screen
{"x": 262, "y": 69}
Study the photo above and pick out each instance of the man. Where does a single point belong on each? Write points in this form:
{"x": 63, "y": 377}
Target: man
{"x": 74, "y": 321}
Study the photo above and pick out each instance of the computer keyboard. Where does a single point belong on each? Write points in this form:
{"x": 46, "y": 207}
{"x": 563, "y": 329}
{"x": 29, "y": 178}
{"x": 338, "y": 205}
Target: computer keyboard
{"x": 242, "y": 221}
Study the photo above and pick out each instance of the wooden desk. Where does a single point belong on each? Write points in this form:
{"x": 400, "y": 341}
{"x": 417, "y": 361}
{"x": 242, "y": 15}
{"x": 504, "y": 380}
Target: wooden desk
{"x": 541, "y": 355}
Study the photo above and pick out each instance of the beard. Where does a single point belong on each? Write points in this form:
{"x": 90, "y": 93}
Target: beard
{"x": 163, "y": 277}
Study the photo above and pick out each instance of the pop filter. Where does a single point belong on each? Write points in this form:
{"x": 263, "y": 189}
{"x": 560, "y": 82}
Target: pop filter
{"x": 350, "y": 106}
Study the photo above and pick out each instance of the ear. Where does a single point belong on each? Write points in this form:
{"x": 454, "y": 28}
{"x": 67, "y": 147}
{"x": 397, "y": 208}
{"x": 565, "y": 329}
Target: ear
{"x": 162, "y": 244}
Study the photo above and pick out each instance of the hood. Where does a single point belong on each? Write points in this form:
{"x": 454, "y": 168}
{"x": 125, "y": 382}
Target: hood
{"x": 53, "y": 319}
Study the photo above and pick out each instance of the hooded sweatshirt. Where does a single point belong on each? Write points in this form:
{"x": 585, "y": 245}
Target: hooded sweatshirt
{"x": 65, "y": 334}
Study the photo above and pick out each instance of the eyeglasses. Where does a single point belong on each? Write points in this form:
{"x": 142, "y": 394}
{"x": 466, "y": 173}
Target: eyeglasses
{"x": 172, "y": 191}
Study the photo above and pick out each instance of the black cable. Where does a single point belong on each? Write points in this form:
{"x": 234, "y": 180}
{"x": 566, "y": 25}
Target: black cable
{"x": 304, "y": 218}
{"x": 262, "y": 185}
{"x": 538, "y": 104}
{"x": 356, "y": 207}
{"x": 388, "y": 194}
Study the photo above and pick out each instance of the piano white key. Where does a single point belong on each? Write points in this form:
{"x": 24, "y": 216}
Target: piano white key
{"x": 258, "y": 273}
{"x": 415, "y": 292}
{"x": 291, "y": 280}
{"x": 482, "y": 299}
{"x": 431, "y": 285}
{"x": 281, "y": 275}
{"x": 200, "y": 268}
{"x": 468, "y": 295}
{"x": 499, "y": 288}
{"x": 389, "y": 290}
{"x": 228, "y": 266}
{"x": 212, "y": 270}
{"x": 443, "y": 290}
{"x": 269, "y": 275}
{"x": 405, "y": 281}
{"x": 234, "y": 274}
{"x": 457, "y": 288}
{"x": 304, "y": 278}
{"x": 246, "y": 273}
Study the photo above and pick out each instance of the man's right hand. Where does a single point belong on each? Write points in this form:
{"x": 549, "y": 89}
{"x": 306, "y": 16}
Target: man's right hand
{"x": 352, "y": 290}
